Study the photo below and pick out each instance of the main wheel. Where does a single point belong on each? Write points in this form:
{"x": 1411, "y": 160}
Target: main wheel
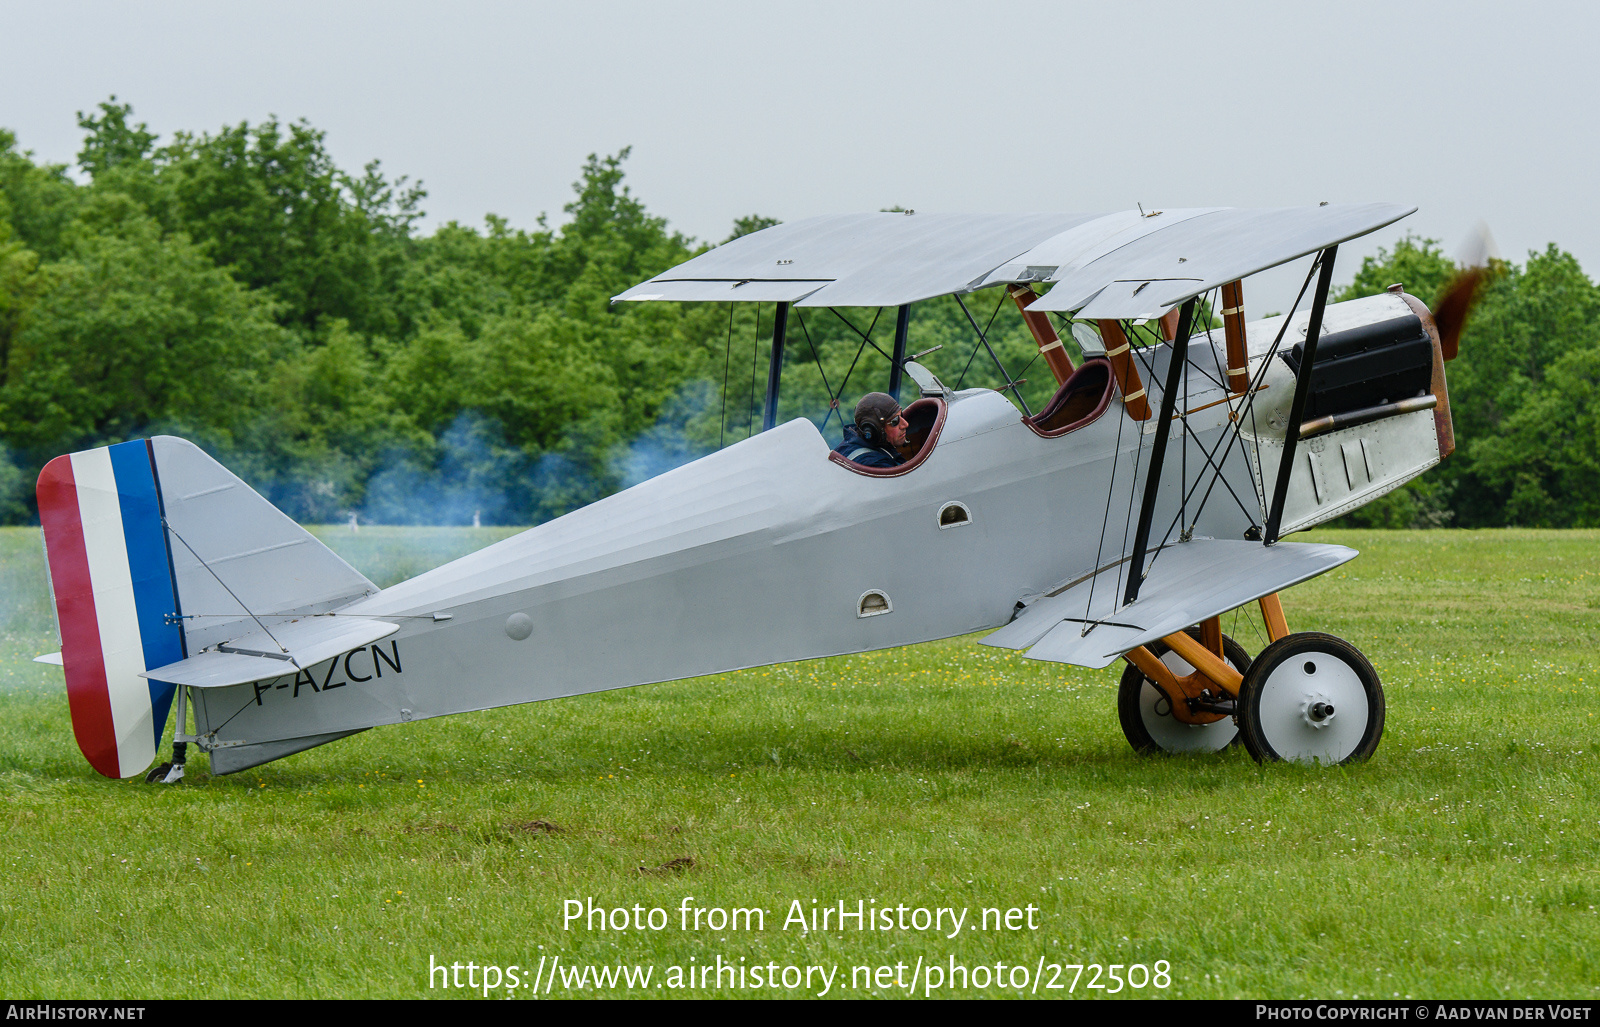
{"x": 1146, "y": 715}
{"x": 1311, "y": 698}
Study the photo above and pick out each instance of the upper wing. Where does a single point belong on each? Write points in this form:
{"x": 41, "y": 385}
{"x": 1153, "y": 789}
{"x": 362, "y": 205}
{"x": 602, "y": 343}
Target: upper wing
{"x": 1149, "y": 275}
{"x": 1128, "y": 264}
{"x": 857, "y": 260}
{"x": 1188, "y": 582}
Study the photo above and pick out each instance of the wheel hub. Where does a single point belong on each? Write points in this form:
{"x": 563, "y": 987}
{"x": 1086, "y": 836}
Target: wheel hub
{"x": 1316, "y": 710}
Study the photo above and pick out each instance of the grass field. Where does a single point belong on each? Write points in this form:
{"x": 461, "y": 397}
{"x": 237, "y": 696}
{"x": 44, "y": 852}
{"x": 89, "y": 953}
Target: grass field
{"x": 1460, "y": 862}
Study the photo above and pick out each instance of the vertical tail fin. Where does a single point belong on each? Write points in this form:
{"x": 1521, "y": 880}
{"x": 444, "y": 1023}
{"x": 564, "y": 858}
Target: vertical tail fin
{"x": 115, "y": 600}
{"x": 155, "y": 552}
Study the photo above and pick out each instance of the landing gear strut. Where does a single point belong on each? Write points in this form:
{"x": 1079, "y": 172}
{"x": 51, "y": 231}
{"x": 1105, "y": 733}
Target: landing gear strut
{"x": 1151, "y": 724}
{"x": 171, "y": 773}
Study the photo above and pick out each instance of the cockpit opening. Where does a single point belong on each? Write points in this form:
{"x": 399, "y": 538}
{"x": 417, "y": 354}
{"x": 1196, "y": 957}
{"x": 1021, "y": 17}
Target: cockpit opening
{"x": 1081, "y": 399}
{"x": 924, "y": 420}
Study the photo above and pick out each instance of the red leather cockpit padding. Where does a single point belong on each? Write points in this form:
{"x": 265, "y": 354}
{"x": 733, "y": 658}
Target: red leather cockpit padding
{"x": 1084, "y": 379}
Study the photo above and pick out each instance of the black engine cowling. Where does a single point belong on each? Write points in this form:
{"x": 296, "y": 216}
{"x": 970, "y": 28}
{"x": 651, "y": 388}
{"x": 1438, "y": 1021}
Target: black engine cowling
{"x": 1367, "y": 366}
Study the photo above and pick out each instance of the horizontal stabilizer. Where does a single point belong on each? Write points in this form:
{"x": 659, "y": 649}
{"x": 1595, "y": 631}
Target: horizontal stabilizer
{"x": 54, "y": 659}
{"x": 259, "y": 656}
{"x": 1187, "y": 583}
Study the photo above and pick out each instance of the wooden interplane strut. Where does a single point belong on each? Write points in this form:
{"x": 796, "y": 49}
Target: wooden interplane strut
{"x": 1169, "y": 325}
{"x": 1044, "y": 333}
{"x": 1233, "y": 333}
{"x": 1124, "y": 370}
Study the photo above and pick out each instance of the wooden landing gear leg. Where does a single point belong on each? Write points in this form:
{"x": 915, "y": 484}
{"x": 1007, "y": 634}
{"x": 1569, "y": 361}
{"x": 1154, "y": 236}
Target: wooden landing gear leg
{"x": 1272, "y": 613}
{"x": 1177, "y": 694}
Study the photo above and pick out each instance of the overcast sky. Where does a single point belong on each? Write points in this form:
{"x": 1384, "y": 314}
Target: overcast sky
{"x": 1471, "y": 111}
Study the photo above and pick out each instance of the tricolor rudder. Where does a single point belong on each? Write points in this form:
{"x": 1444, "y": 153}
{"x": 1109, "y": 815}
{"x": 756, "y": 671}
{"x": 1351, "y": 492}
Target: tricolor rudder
{"x": 115, "y": 600}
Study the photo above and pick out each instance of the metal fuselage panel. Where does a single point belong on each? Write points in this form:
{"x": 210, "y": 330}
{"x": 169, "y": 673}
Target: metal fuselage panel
{"x": 754, "y": 555}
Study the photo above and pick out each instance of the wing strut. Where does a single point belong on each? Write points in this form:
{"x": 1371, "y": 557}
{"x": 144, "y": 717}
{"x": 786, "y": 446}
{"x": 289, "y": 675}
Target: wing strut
{"x": 1044, "y": 333}
{"x": 1158, "y": 452}
{"x": 780, "y": 323}
{"x": 902, "y": 325}
{"x": 1302, "y": 387}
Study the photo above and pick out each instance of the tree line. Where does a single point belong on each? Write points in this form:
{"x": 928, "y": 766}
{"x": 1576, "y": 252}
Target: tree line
{"x": 242, "y": 290}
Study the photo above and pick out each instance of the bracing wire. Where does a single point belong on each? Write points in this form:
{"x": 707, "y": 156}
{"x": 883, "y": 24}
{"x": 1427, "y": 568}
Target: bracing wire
{"x": 1276, "y": 343}
{"x": 1105, "y": 521}
{"x": 224, "y": 584}
{"x": 983, "y": 337}
{"x": 859, "y": 350}
{"x": 981, "y": 340}
{"x": 816, "y": 353}
{"x": 1231, "y": 438}
{"x": 1022, "y": 380}
{"x": 1133, "y": 489}
{"x": 866, "y": 336}
{"x": 727, "y": 363}
{"x": 833, "y": 401}
{"x": 1221, "y": 379}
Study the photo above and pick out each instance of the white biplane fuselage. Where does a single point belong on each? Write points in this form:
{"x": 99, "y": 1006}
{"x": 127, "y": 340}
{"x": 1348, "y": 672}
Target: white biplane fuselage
{"x": 1088, "y": 532}
{"x": 763, "y": 553}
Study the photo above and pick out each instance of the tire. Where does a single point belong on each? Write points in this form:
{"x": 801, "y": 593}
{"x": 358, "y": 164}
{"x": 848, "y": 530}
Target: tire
{"x": 1140, "y": 702}
{"x": 1279, "y": 717}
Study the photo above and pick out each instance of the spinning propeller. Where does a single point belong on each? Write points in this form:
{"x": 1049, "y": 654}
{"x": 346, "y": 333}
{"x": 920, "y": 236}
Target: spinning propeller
{"x": 1455, "y": 302}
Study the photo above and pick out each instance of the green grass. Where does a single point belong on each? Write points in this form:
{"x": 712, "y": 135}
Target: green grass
{"x": 1459, "y": 862}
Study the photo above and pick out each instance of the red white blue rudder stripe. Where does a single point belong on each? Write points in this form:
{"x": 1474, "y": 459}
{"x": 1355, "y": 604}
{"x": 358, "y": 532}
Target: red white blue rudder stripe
{"x": 115, "y": 600}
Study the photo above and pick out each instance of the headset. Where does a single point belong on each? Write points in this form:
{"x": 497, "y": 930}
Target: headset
{"x": 873, "y": 436}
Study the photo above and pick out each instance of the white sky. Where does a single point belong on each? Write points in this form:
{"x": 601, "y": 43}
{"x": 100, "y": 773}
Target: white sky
{"x": 1469, "y": 110}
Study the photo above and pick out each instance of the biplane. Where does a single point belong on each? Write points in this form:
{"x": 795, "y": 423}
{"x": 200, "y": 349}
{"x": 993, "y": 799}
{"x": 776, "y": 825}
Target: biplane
{"x": 1152, "y": 494}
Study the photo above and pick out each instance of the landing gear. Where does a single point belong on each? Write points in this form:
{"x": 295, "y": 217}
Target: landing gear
{"x": 1146, "y": 712}
{"x": 166, "y": 773}
{"x": 171, "y": 773}
{"x": 1311, "y": 698}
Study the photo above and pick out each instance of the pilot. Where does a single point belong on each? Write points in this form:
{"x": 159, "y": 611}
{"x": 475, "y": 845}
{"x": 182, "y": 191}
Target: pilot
{"x": 879, "y": 428}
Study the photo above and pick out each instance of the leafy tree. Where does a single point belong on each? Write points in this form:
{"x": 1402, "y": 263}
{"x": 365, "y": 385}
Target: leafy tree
{"x": 1546, "y": 459}
{"x": 19, "y": 285}
{"x": 1418, "y": 264}
{"x": 111, "y": 141}
{"x": 39, "y": 201}
{"x": 324, "y": 424}
{"x": 134, "y": 331}
{"x": 1527, "y": 321}
{"x": 270, "y": 203}
{"x": 14, "y": 492}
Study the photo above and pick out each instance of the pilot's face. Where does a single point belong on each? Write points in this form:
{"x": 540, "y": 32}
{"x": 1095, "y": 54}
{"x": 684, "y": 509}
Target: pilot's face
{"x": 896, "y": 430}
